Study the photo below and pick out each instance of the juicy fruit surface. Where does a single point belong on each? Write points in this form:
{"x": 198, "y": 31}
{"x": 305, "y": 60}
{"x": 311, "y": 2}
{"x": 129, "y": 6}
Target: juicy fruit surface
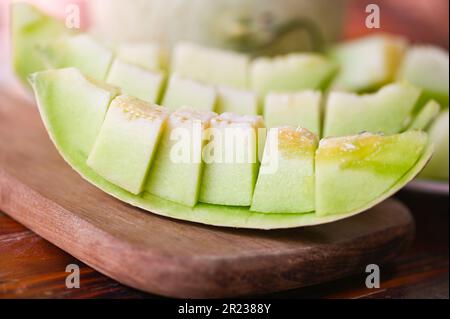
{"x": 237, "y": 101}
{"x": 149, "y": 56}
{"x": 124, "y": 148}
{"x": 289, "y": 186}
{"x": 353, "y": 171}
{"x": 388, "y": 111}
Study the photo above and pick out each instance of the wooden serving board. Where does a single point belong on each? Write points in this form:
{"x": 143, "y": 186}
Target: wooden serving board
{"x": 170, "y": 257}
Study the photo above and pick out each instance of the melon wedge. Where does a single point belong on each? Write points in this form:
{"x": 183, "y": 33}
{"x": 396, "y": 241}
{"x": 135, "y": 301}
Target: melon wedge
{"x": 149, "y": 56}
{"x": 239, "y": 101}
{"x": 426, "y": 116}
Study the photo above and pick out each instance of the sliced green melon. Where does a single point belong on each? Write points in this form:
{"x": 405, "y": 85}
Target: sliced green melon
{"x": 427, "y": 67}
{"x": 211, "y": 65}
{"x": 31, "y": 29}
{"x": 301, "y": 109}
{"x": 78, "y": 104}
{"x": 124, "y": 148}
{"x": 425, "y": 116}
{"x": 237, "y": 101}
{"x": 285, "y": 181}
{"x": 150, "y": 56}
{"x": 293, "y": 72}
{"x": 354, "y": 171}
{"x": 80, "y": 51}
{"x": 368, "y": 63}
{"x": 177, "y": 167}
{"x": 136, "y": 81}
{"x": 182, "y": 91}
{"x": 231, "y": 160}
{"x": 438, "y": 167}
{"x": 388, "y": 111}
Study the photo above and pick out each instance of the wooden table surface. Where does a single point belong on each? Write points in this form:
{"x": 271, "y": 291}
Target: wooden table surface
{"x": 31, "y": 267}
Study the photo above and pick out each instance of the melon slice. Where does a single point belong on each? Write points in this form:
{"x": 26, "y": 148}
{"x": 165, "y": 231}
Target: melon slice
{"x": 293, "y": 72}
{"x": 388, "y": 111}
{"x": 354, "y": 171}
{"x": 426, "y": 116}
{"x": 427, "y": 67}
{"x": 149, "y": 56}
{"x": 78, "y": 103}
{"x": 211, "y": 65}
{"x": 231, "y": 160}
{"x": 438, "y": 167}
{"x": 243, "y": 102}
{"x": 31, "y": 29}
{"x": 368, "y": 63}
{"x": 80, "y": 51}
{"x": 177, "y": 167}
{"x": 136, "y": 81}
{"x": 301, "y": 109}
{"x": 182, "y": 91}
{"x": 124, "y": 148}
{"x": 286, "y": 178}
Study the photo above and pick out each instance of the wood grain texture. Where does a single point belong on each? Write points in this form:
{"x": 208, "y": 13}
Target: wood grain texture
{"x": 169, "y": 257}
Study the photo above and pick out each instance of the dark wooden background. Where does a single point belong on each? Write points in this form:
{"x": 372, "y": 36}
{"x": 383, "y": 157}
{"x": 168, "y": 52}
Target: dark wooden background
{"x": 31, "y": 267}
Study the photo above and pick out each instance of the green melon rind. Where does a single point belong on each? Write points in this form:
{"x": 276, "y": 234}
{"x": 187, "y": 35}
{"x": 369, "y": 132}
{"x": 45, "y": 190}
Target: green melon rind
{"x": 227, "y": 216}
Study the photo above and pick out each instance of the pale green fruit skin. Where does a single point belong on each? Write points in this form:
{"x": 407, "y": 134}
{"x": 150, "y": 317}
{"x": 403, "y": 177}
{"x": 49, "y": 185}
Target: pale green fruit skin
{"x": 31, "y": 30}
{"x": 178, "y": 181}
{"x": 237, "y": 101}
{"x": 80, "y": 51}
{"x": 351, "y": 172}
{"x": 368, "y": 63}
{"x": 186, "y": 92}
{"x": 214, "y": 66}
{"x": 290, "y": 188}
{"x": 427, "y": 67}
{"x": 149, "y": 56}
{"x": 124, "y": 148}
{"x": 426, "y": 116}
{"x": 290, "y": 73}
{"x": 84, "y": 106}
{"x": 387, "y": 111}
{"x": 136, "y": 81}
{"x": 302, "y": 109}
{"x": 438, "y": 167}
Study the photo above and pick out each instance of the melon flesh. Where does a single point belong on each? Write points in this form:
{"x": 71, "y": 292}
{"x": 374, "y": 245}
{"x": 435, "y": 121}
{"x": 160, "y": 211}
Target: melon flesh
{"x": 124, "y": 148}
{"x": 426, "y": 116}
{"x": 302, "y": 109}
{"x": 149, "y": 56}
{"x": 230, "y": 176}
{"x": 79, "y": 105}
{"x": 387, "y": 111}
{"x": 80, "y": 51}
{"x": 427, "y": 67}
{"x": 368, "y": 63}
{"x": 210, "y": 65}
{"x": 286, "y": 178}
{"x": 186, "y": 92}
{"x": 136, "y": 81}
{"x": 353, "y": 171}
{"x": 237, "y": 101}
{"x": 290, "y": 73}
{"x": 176, "y": 171}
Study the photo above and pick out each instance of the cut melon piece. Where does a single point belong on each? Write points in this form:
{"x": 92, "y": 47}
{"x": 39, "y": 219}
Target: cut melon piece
{"x": 136, "y": 81}
{"x": 211, "y": 65}
{"x": 293, "y": 72}
{"x": 368, "y": 63}
{"x": 231, "y": 160}
{"x": 186, "y": 92}
{"x": 426, "y": 116}
{"x": 124, "y": 148}
{"x": 387, "y": 111}
{"x": 428, "y": 68}
{"x": 80, "y": 51}
{"x": 176, "y": 171}
{"x": 237, "y": 101}
{"x": 79, "y": 105}
{"x": 286, "y": 178}
{"x": 149, "y": 56}
{"x": 354, "y": 171}
{"x": 31, "y": 29}
{"x": 302, "y": 109}
{"x": 438, "y": 167}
